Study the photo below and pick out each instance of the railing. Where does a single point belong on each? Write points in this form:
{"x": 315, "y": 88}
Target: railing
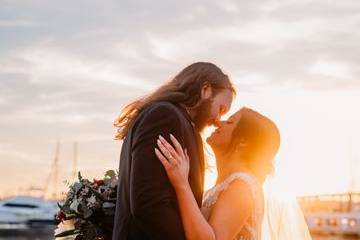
{"x": 343, "y": 202}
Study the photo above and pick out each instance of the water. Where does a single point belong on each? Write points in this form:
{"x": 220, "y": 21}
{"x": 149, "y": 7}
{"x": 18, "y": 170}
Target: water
{"x": 43, "y": 233}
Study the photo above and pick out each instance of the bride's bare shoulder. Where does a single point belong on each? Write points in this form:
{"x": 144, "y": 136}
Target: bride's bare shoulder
{"x": 238, "y": 194}
{"x": 232, "y": 209}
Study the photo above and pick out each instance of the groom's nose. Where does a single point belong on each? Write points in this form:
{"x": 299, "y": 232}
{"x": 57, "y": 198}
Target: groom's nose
{"x": 217, "y": 119}
{"x": 217, "y": 123}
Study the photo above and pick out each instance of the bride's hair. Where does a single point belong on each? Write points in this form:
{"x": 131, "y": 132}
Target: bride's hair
{"x": 260, "y": 134}
{"x": 184, "y": 88}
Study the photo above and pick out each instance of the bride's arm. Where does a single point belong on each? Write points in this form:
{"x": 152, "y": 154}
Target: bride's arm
{"x": 195, "y": 225}
{"x": 230, "y": 211}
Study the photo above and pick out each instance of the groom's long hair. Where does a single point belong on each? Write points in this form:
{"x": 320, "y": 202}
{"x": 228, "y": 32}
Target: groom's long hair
{"x": 184, "y": 88}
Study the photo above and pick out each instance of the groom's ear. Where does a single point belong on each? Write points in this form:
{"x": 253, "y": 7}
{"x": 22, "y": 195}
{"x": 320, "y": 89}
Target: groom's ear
{"x": 206, "y": 91}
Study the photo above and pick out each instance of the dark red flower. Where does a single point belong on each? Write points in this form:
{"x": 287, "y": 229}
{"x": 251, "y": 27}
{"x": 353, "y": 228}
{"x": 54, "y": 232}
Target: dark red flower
{"x": 99, "y": 182}
{"x": 60, "y": 216}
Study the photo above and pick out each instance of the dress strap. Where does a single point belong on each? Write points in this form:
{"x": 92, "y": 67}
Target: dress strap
{"x": 248, "y": 178}
{"x": 244, "y": 176}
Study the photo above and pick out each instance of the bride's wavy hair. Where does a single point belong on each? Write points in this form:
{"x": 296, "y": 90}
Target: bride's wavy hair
{"x": 184, "y": 89}
{"x": 259, "y": 133}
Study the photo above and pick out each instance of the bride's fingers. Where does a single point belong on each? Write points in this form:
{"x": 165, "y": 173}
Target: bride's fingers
{"x": 162, "y": 159}
{"x": 187, "y": 155}
{"x": 170, "y": 148}
{"x": 173, "y": 159}
{"x": 177, "y": 145}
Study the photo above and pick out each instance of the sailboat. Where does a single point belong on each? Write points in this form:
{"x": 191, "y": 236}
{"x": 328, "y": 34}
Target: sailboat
{"x": 27, "y": 212}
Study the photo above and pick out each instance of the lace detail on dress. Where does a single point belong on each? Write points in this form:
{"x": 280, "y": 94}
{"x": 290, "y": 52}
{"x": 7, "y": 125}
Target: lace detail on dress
{"x": 253, "y": 226}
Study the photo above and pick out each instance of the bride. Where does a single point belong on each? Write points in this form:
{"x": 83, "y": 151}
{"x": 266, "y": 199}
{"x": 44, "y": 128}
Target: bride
{"x": 244, "y": 147}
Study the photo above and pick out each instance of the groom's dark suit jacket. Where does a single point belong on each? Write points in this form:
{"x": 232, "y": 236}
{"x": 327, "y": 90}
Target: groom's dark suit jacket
{"x": 146, "y": 202}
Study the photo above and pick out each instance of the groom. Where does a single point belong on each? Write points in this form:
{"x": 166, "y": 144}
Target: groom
{"x": 146, "y": 202}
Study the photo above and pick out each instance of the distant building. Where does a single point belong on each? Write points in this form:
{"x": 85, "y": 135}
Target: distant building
{"x": 332, "y": 213}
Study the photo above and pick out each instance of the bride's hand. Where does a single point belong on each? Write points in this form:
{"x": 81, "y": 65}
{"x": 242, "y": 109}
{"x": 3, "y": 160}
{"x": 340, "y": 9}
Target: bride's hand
{"x": 175, "y": 161}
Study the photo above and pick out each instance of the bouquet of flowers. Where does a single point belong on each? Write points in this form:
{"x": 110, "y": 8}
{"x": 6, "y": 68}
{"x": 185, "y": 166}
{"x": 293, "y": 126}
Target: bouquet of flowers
{"x": 88, "y": 209}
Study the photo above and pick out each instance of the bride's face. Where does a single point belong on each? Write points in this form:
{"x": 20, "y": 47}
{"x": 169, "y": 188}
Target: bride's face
{"x": 220, "y": 139}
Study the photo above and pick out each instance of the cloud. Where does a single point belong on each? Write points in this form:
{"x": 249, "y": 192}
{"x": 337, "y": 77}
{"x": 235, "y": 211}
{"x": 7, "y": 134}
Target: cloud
{"x": 261, "y": 36}
{"x": 332, "y": 69}
{"x": 17, "y": 23}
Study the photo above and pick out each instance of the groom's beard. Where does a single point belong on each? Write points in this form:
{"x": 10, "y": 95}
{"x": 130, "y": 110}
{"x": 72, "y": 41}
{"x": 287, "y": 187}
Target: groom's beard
{"x": 202, "y": 117}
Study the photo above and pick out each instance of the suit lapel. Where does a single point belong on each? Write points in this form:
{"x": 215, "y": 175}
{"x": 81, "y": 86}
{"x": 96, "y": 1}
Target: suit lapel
{"x": 198, "y": 170}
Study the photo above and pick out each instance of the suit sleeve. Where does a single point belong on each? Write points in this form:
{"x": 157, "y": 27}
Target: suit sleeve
{"x": 153, "y": 200}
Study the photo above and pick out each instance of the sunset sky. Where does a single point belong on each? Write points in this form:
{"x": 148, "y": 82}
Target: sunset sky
{"x": 67, "y": 68}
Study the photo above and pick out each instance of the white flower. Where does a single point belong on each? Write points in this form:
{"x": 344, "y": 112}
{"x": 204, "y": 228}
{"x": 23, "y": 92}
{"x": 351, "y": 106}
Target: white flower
{"x": 108, "y": 205}
{"x": 74, "y": 205}
{"x": 91, "y": 200}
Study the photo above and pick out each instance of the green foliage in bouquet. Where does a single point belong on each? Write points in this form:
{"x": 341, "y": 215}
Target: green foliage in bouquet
{"x": 90, "y": 206}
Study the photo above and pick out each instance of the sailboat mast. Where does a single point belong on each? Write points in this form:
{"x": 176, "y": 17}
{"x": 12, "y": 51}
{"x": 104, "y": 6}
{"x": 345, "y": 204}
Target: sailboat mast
{"x": 56, "y": 169}
{"x": 75, "y": 160}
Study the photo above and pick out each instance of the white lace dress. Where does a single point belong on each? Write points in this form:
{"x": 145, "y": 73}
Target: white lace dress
{"x": 252, "y": 229}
